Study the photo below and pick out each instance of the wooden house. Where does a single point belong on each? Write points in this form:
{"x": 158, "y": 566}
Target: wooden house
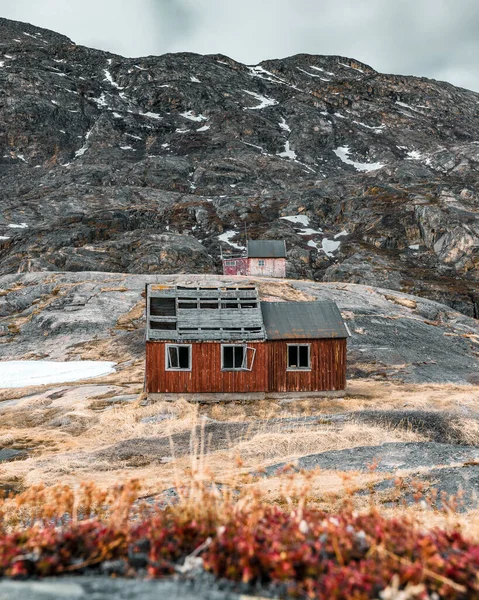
{"x": 223, "y": 343}
{"x": 266, "y": 258}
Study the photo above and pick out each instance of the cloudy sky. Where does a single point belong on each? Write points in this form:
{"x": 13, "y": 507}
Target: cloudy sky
{"x": 431, "y": 38}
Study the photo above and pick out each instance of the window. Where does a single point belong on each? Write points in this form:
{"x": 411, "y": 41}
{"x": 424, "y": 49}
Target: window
{"x": 162, "y": 326}
{"x": 178, "y": 357}
{"x": 230, "y": 263}
{"x": 229, "y": 305}
{"x": 237, "y": 357}
{"x": 162, "y": 307}
{"x": 261, "y": 263}
{"x": 299, "y": 357}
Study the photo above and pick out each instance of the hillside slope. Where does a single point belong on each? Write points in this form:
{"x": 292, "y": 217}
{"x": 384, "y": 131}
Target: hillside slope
{"x": 145, "y": 165}
{"x": 100, "y": 316}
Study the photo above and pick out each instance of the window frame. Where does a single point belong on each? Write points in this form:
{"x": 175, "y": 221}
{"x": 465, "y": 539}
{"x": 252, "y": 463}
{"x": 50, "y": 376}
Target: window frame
{"x": 244, "y": 366}
{"x": 190, "y": 357}
{"x": 261, "y": 262}
{"x": 308, "y": 368}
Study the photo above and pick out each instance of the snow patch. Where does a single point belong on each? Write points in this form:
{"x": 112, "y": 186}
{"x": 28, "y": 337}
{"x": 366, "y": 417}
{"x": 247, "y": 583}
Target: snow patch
{"x": 309, "y": 231}
{"x": 284, "y": 125}
{"x": 350, "y": 67}
{"x": 204, "y": 128}
{"x": 226, "y": 237}
{"x": 23, "y": 373}
{"x": 101, "y": 101}
{"x": 303, "y": 219}
{"x": 193, "y": 117}
{"x": 288, "y": 153}
{"x": 414, "y": 247}
{"x": 127, "y": 148}
{"x": 109, "y": 78}
{"x": 414, "y": 155}
{"x": 330, "y": 246}
{"x": 313, "y": 75}
{"x": 322, "y": 70}
{"x": 263, "y": 100}
{"x": 195, "y": 79}
{"x": 151, "y": 115}
{"x": 343, "y": 154}
{"x": 18, "y": 226}
{"x": 4, "y": 237}
{"x": 377, "y": 129}
{"x": 404, "y": 105}
{"x": 341, "y": 234}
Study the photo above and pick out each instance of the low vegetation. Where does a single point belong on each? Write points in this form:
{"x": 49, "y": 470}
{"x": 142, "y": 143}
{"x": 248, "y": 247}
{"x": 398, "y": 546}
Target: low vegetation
{"x": 289, "y": 548}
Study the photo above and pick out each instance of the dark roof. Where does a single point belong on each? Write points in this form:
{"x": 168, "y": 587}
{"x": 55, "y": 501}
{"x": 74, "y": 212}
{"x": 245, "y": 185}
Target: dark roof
{"x": 303, "y": 320}
{"x": 266, "y": 249}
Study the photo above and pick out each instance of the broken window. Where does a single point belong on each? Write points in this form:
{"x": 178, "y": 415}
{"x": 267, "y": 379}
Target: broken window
{"x": 208, "y": 304}
{"x": 237, "y": 357}
{"x": 162, "y": 307}
{"x": 188, "y": 305}
{"x": 178, "y": 357}
{"x": 162, "y": 326}
{"x": 229, "y": 305}
{"x": 299, "y": 357}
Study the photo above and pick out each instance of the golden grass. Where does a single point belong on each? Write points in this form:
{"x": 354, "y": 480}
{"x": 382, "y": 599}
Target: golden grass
{"x": 65, "y": 436}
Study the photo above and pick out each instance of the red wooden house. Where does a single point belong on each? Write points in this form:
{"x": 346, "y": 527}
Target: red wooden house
{"x": 264, "y": 258}
{"x": 223, "y": 343}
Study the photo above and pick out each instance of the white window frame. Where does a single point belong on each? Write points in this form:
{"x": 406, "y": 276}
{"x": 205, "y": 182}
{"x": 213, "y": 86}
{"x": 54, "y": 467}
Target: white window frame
{"x": 167, "y": 354}
{"x": 261, "y": 262}
{"x": 248, "y": 352}
{"x": 230, "y": 263}
{"x": 308, "y": 368}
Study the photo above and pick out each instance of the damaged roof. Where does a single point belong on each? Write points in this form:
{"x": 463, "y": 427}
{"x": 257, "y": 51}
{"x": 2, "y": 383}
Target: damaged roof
{"x": 303, "y": 320}
{"x": 226, "y": 313}
{"x": 266, "y": 249}
{"x": 230, "y": 313}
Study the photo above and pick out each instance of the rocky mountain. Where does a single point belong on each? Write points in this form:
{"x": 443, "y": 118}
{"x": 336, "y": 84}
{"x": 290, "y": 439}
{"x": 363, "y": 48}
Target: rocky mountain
{"x": 146, "y": 165}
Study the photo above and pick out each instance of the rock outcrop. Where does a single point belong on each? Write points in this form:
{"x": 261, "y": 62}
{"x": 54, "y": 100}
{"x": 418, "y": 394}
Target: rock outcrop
{"x": 141, "y": 165}
{"x": 100, "y": 316}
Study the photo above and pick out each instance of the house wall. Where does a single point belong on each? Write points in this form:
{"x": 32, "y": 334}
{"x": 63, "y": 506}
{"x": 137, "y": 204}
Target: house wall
{"x": 269, "y": 374}
{"x": 328, "y": 367}
{"x": 273, "y": 267}
{"x": 206, "y": 375}
{"x": 240, "y": 268}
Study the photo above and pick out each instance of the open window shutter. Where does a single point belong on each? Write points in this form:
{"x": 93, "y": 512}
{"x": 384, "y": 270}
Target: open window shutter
{"x": 250, "y": 355}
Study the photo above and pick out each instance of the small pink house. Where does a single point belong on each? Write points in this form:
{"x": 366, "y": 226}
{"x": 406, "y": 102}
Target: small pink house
{"x": 265, "y": 258}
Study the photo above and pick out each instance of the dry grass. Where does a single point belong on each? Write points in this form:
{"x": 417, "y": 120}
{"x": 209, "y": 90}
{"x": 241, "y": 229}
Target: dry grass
{"x": 66, "y": 436}
{"x": 287, "y": 446}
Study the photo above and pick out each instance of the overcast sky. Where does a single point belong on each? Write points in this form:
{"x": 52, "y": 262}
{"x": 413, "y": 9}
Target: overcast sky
{"x": 431, "y": 38}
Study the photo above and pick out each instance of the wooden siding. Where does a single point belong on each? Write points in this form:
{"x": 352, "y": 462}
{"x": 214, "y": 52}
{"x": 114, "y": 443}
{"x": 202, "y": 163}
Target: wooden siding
{"x": 239, "y": 268}
{"x": 273, "y": 267}
{"x": 269, "y": 374}
{"x": 328, "y": 367}
{"x": 206, "y": 375}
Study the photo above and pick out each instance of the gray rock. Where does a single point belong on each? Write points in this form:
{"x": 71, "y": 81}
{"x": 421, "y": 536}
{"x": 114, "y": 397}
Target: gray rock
{"x": 139, "y": 165}
{"x": 389, "y": 457}
{"x": 7, "y": 454}
{"x": 104, "y": 588}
